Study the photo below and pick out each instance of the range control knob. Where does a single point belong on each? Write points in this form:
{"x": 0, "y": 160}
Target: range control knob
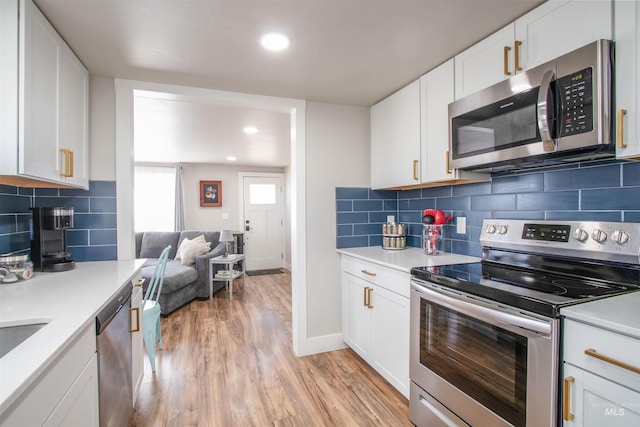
{"x": 581, "y": 235}
{"x": 598, "y": 235}
{"x": 503, "y": 229}
{"x": 620, "y": 237}
{"x": 491, "y": 229}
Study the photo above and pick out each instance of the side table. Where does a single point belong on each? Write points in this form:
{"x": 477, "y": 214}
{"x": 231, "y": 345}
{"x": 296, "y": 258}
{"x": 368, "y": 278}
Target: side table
{"x": 229, "y": 261}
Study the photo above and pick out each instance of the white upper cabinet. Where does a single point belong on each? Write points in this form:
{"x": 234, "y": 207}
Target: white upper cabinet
{"x": 627, "y": 37}
{"x": 485, "y": 63}
{"x": 395, "y": 139}
{"x": 436, "y": 92}
{"x": 74, "y": 119}
{"x": 45, "y": 92}
{"x": 410, "y": 135}
{"x": 550, "y": 30}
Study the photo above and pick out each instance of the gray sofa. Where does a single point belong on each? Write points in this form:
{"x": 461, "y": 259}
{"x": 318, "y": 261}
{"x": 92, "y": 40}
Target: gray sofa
{"x": 182, "y": 283}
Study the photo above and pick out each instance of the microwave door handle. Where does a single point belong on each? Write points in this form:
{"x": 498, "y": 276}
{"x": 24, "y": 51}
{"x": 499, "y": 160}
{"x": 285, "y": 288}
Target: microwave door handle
{"x": 548, "y": 143}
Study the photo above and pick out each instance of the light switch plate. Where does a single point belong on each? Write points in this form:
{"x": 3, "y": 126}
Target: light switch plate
{"x": 461, "y": 225}
{"x": 225, "y": 216}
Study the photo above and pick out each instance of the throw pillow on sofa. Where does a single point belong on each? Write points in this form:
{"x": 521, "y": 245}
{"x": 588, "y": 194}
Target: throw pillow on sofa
{"x": 192, "y": 249}
{"x": 199, "y": 238}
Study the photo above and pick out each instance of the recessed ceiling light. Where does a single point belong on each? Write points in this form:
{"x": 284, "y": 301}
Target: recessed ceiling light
{"x": 274, "y": 41}
{"x": 231, "y": 159}
{"x": 250, "y": 130}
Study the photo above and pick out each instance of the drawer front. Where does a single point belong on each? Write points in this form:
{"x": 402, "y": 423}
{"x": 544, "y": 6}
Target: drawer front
{"x": 586, "y": 346}
{"x": 388, "y": 278}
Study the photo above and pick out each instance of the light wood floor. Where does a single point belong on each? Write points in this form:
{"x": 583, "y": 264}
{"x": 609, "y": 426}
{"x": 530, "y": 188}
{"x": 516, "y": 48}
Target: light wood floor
{"x": 232, "y": 364}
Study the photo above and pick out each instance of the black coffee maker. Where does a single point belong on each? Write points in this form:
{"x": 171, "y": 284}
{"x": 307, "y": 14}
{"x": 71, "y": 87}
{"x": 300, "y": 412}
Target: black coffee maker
{"x": 49, "y": 242}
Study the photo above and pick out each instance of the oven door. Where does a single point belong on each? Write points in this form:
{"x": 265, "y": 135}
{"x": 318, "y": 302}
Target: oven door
{"x": 487, "y": 365}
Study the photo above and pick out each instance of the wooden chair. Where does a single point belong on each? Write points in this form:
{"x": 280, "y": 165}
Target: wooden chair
{"x": 151, "y": 310}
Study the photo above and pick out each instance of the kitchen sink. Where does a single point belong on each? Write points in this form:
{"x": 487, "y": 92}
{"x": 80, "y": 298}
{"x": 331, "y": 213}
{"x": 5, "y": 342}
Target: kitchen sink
{"x": 12, "y": 336}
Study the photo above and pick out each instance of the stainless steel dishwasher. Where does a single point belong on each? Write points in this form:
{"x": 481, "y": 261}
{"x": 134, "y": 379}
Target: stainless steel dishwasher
{"x": 113, "y": 330}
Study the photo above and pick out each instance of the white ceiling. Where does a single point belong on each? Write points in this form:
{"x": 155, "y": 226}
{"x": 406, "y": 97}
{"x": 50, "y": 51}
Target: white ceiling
{"x": 353, "y": 52}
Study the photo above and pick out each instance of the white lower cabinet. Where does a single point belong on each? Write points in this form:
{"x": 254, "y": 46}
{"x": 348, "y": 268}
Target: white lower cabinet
{"x": 66, "y": 394}
{"x": 79, "y": 406}
{"x": 137, "y": 350}
{"x": 375, "y": 318}
{"x": 600, "y": 387}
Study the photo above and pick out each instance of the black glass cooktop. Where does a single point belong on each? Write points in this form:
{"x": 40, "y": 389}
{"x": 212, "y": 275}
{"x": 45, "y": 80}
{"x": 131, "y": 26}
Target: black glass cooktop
{"x": 537, "y": 291}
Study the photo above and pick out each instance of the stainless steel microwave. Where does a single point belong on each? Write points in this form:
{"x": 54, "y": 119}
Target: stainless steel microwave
{"x": 557, "y": 112}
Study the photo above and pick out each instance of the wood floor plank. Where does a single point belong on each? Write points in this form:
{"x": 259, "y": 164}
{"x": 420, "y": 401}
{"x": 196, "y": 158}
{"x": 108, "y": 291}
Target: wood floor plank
{"x": 231, "y": 363}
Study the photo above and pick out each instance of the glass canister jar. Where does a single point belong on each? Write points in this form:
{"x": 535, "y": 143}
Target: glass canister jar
{"x": 15, "y": 267}
{"x": 432, "y": 239}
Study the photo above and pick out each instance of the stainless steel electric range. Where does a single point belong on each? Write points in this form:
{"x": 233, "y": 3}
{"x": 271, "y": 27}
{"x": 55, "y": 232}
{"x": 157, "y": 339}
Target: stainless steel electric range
{"x": 485, "y": 337}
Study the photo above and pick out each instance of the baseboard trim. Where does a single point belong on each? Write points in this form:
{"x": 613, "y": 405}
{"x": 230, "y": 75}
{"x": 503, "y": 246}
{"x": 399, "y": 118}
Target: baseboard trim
{"x": 321, "y": 344}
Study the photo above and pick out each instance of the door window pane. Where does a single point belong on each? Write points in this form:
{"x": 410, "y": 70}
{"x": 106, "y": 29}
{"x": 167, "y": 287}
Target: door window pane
{"x": 262, "y": 194}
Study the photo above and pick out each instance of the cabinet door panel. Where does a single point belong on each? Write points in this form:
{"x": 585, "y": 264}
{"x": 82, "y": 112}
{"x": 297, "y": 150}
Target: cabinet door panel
{"x": 79, "y": 406}
{"x": 482, "y": 65}
{"x": 356, "y": 317}
{"x": 437, "y": 93}
{"x": 38, "y": 153}
{"x": 595, "y": 401}
{"x": 74, "y": 90}
{"x": 395, "y": 138}
{"x": 558, "y": 27}
{"x": 137, "y": 350}
{"x": 627, "y": 35}
{"x": 391, "y": 343}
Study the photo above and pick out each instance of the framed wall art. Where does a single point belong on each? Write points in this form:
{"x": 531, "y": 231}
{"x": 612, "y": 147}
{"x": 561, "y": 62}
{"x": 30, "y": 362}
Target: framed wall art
{"x": 210, "y": 194}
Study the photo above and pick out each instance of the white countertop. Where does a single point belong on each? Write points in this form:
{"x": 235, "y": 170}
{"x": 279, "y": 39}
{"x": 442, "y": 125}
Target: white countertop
{"x": 406, "y": 259}
{"x": 67, "y": 300}
{"x": 618, "y": 314}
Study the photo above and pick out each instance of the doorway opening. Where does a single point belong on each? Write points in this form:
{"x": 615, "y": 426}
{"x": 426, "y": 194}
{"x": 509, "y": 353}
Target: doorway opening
{"x": 125, "y": 90}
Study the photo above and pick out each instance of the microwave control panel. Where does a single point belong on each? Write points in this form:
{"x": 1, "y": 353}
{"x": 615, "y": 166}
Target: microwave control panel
{"x": 575, "y": 92}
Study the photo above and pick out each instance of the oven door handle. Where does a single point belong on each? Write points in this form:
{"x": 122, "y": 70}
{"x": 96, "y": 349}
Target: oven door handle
{"x": 483, "y": 313}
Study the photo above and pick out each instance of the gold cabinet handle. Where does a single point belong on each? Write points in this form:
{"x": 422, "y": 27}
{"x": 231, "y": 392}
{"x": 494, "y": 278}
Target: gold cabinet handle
{"x": 368, "y": 273}
{"x": 66, "y": 172}
{"x": 415, "y": 170}
{"x": 506, "y": 61}
{"x": 137, "y": 311}
{"x": 446, "y": 162}
{"x": 70, "y": 163}
{"x": 566, "y": 410}
{"x": 516, "y": 53}
{"x": 592, "y": 352}
{"x": 364, "y": 292}
{"x": 369, "y": 290}
{"x": 139, "y": 283}
{"x": 621, "y": 114}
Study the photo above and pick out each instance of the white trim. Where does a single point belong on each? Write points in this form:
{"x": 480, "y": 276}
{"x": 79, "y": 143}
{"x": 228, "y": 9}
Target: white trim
{"x": 323, "y": 344}
{"x": 124, "y": 183}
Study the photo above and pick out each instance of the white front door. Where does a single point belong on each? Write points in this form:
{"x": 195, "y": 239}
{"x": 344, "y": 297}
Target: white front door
{"x": 263, "y": 222}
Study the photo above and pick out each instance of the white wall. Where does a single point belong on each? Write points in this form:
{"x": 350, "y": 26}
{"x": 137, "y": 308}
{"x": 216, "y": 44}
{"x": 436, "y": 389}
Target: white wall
{"x": 102, "y": 129}
{"x": 338, "y": 155}
{"x": 197, "y": 218}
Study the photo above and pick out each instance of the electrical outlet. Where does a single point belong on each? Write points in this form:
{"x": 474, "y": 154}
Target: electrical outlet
{"x": 461, "y": 225}
{"x": 225, "y": 216}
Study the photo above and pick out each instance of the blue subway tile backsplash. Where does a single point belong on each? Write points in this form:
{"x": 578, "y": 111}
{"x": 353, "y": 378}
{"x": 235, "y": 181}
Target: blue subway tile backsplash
{"x": 606, "y": 190}
{"x": 93, "y": 237}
